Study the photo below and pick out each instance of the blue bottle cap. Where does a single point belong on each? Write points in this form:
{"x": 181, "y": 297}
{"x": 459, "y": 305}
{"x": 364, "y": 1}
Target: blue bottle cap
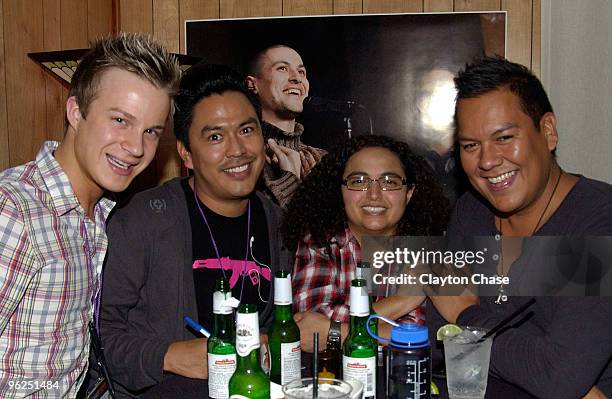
{"x": 409, "y": 336}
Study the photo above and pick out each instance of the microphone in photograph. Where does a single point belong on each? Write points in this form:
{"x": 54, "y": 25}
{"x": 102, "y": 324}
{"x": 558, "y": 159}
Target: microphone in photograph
{"x": 319, "y": 104}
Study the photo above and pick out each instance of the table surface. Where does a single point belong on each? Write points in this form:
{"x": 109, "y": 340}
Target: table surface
{"x": 186, "y": 388}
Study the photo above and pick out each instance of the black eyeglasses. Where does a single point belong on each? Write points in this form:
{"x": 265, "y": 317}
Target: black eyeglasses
{"x": 363, "y": 183}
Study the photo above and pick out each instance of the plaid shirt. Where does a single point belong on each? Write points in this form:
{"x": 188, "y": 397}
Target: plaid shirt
{"x": 51, "y": 256}
{"x": 322, "y": 275}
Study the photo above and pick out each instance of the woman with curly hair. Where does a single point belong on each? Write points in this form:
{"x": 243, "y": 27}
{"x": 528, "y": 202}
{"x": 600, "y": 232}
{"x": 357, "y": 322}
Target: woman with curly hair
{"x": 370, "y": 186}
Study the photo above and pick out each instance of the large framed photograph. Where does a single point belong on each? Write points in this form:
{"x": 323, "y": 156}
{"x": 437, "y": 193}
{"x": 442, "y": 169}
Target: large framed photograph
{"x": 386, "y": 74}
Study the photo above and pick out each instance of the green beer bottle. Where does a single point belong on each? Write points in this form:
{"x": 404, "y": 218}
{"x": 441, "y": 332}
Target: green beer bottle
{"x": 221, "y": 349}
{"x": 249, "y": 380}
{"x": 360, "y": 350}
{"x": 284, "y": 336}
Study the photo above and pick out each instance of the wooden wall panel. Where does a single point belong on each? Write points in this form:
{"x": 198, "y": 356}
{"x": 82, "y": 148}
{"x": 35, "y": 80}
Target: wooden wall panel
{"x": 136, "y": 16}
{"x": 536, "y": 37}
{"x": 166, "y": 27}
{"x": 99, "y": 18}
{"x": 477, "y": 5}
{"x": 437, "y": 5}
{"x": 23, "y": 23}
{"x": 55, "y": 93}
{"x": 4, "y": 137}
{"x": 384, "y": 6}
{"x": 348, "y": 7}
{"x": 73, "y": 26}
{"x": 308, "y": 7}
{"x": 250, "y": 8}
{"x": 518, "y": 46}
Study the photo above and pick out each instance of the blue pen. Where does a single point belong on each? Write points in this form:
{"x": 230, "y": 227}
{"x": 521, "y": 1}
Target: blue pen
{"x": 196, "y": 326}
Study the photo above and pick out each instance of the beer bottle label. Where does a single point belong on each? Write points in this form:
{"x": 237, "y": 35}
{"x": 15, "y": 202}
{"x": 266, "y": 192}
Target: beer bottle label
{"x": 220, "y": 370}
{"x": 291, "y": 362}
{"x": 247, "y": 333}
{"x": 276, "y": 391}
{"x": 362, "y": 370}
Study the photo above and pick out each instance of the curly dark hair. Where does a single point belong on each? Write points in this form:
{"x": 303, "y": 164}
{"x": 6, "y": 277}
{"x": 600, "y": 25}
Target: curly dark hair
{"x": 317, "y": 206}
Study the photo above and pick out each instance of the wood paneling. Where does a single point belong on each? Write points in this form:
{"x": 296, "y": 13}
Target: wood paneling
{"x": 136, "y": 16}
{"x": 25, "y": 96}
{"x": 536, "y": 37}
{"x": 477, "y": 5}
{"x": 166, "y": 27}
{"x": 384, "y": 6}
{"x": 307, "y": 7}
{"x": 4, "y": 137}
{"x": 99, "y": 18}
{"x": 55, "y": 93}
{"x": 437, "y": 5}
{"x": 250, "y": 8}
{"x": 348, "y": 7}
{"x": 518, "y": 48}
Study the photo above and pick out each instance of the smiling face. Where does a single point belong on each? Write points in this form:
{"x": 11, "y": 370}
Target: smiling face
{"x": 281, "y": 84}
{"x": 506, "y": 158}
{"x": 227, "y": 150}
{"x": 118, "y": 137}
{"x": 374, "y": 212}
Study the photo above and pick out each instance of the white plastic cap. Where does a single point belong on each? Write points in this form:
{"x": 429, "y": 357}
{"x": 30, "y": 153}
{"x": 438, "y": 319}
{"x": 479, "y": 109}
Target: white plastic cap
{"x": 282, "y": 290}
{"x": 359, "y": 302}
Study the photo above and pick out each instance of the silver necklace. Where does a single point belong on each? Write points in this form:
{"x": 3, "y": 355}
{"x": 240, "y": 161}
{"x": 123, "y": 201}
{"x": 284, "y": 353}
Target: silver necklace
{"x": 501, "y": 292}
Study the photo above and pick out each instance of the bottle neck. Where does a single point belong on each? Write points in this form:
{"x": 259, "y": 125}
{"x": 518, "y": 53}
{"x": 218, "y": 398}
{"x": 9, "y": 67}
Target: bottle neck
{"x": 249, "y": 362}
{"x": 223, "y": 325}
{"x": 358, "y": 324}
{"x": 283, "y": 313}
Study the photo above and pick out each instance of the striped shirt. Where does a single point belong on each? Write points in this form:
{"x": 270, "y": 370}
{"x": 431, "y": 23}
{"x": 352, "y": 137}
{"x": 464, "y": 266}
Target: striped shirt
{"x": 51, "y": 257}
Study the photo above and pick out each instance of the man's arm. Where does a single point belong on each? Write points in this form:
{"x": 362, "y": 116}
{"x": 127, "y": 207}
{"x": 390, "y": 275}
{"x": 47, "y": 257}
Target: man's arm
{"x": 17, "y": 263}
{"x": 562, "y": 362}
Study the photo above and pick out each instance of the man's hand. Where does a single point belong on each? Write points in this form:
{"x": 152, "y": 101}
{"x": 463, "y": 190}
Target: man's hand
{"x": 309, "y": 158}
{"x": 188, "y": 358}
{"x": 286, "y": 158}
{"x": 450, "y": 307}
{"x": 309, "y": 323}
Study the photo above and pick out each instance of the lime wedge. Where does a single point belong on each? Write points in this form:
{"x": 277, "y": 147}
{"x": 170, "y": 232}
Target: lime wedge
{"x": 434, "y": 389}
{"x": 448, "y": 330}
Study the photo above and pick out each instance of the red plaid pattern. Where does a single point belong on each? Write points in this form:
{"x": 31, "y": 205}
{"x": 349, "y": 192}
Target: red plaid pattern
{"x": 322, "y": 276}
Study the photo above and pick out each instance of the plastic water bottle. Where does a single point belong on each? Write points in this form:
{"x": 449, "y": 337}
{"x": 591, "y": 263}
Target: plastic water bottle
{"x": 407, "y": 360}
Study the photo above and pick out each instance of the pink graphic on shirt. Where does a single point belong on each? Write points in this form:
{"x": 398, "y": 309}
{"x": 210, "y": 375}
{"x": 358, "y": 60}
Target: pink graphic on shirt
{"x": 237, "y": 267}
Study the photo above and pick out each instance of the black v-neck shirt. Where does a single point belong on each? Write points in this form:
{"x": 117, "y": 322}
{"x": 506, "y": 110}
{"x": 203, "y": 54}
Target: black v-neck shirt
{"x": 230, "y": 235}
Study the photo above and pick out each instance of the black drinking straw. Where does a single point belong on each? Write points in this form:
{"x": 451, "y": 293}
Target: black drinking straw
{"x": 505, "y": 321}
{"x": 315, "y": 366}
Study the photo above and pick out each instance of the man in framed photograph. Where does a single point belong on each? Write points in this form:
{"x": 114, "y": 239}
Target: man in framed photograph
{"x": 278, "y": 76}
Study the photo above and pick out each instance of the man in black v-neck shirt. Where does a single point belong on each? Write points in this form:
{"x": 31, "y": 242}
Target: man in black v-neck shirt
{"x": 169, "y": 244}
{"x": 245, "y": 264}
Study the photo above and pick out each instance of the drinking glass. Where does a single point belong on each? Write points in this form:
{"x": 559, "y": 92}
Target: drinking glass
{"x": 467, "y": 363}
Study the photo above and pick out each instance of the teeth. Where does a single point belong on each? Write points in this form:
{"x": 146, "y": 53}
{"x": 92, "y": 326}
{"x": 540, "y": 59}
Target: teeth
{"x": 293, "y": 91}
{"x": 374, "y": 209}
{"x": 118, "y": 163}
{"x": 237, "y": 169}
{"x": 501, "y": 178}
